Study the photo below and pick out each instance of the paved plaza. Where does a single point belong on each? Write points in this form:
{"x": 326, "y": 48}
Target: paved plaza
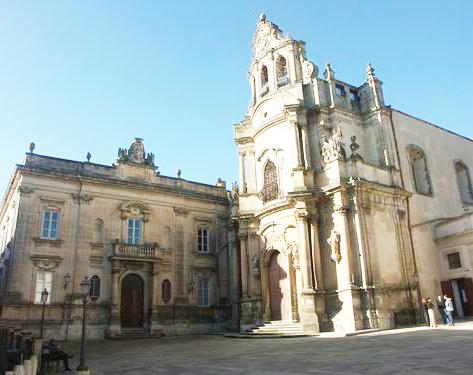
{"x": 406, "y": 351}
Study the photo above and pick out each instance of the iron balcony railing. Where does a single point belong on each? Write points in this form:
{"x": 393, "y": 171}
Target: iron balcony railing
{"x": 145, "y": 250}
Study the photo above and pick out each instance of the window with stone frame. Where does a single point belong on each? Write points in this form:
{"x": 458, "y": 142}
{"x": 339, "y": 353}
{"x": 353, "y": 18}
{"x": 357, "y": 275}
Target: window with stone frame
{"x": 281, "y": 71}
{"x": 270, "y": 183}
{"x": 50, "y": 224}
{"x": 340, "y": 90}
{"x": 135, "y": 231}
{"x": 94, "y": 292}
{"x": 464, "y": 182}
{"x": 454, "y": 260}
{"x": 166, "y": 291}
{"x": 98, "y": 235}
{"x": 44, "y": 280}
{"x": 420, "y": 170}
{"x": 203, "y": 292}
{"x": 203, "y": 240}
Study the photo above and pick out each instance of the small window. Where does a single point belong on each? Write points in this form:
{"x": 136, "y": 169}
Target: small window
{"x": 270, "y": 183}
{"x": 135, "y": 227}
{"x": 203, "y": 296}
{"x": 264, "y": 81}
{"x": 98, "y": 238}
{"x": 44, "y": 280}
{"x": 50, "y": 225}
{"x": 420, "y": 170}
{"x": 202, "y": 240}
{"x": 464, "y": 182}
{"x": 281, "y": 71}
{"x": 354, "y": 96}
{"x": 166, "y": 291}
{"x": 340, "y": 90}
{"x": 94, "y": 287}
{"x": 454, "y": 261}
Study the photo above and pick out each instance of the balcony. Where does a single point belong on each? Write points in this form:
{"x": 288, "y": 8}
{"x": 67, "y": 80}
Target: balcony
{"x": 146, "y": 250}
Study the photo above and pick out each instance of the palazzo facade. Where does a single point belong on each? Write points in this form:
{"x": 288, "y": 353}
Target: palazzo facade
{"x": 155, "y": 248}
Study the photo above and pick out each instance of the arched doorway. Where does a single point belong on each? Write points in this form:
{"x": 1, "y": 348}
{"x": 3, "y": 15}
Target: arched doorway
{"x": 132, "y": 301}
{"x": 279, "y": 287}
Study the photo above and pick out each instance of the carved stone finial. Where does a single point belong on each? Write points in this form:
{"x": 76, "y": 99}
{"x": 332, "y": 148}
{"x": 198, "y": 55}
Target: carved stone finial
{"x": 136, "y": 154}
{"x": 370, "y": 72}
{"x": 32, "y": 147}
{"x": 179, "y": 172}
{"x": 88, "y": 156}
{"x": 329, "y": 74}
{"x": 262, "y": 17}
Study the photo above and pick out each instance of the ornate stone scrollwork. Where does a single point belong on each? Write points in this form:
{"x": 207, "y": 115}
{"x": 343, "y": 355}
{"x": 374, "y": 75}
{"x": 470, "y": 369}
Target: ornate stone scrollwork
{"x": 135, "y": 209}
{"x": 181, "y": 211}
{"x": 355, "y": 156}
{"x": 302, "y": 216}
{"x": 334, "y": 243}
{"x": 136, "y": 154}
{"x": 332, "y": 149}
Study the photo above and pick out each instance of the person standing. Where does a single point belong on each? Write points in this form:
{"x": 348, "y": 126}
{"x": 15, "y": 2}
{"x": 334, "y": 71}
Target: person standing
{"x": 424, "y": 310}
{"x": 449, "y": 310}
{"x": 441, "y": 307}
{"x": 430, "y": 312}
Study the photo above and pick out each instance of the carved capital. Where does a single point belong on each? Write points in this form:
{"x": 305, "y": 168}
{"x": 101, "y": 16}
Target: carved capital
{"x": 243, "y": 236}
{"x": 302, "y": 216}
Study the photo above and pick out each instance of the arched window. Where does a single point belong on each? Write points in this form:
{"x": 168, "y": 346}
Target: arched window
{"x": 166, "y": 291}
{"x": 94, "y": 287}
{"x": 464, "y": 182}
{"x": 281, "y": 71}
{"x": 270, "y": 183}
{"x": 420, "y": 170}
{"x": 98, "y": 237}
{"x": 264, "y": 80}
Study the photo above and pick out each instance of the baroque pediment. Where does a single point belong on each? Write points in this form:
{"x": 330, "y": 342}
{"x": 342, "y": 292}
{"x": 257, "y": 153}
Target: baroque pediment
{"x": 267, "y": 36}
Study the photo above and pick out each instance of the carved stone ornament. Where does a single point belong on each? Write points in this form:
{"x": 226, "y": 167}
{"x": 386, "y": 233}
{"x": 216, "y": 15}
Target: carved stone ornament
{"x": 180, "y": 211}
{"x": 25, "y": 190}
{"x": 332, "y": 148}
{"x": 85, "y": 198}
{"x": 46, "y": 262}
{"x": 295, "y": 255}
{"x": 334, "y": 243}
{"x": 267, "y": 36}
{"x": 135, "y": 210}
{"x": 302, "y": 216}
{"x": 136, "y": 154}
{"x": 355, "y": 156}
{"x": 255, "y": 266}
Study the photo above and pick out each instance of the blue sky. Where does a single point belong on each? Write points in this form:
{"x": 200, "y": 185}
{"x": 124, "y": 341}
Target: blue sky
{"x": 80, "y": 76}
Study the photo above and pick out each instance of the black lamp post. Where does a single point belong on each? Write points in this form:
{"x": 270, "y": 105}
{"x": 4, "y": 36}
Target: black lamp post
{"x": 85, "y": 288}
{"x": 44, "y": 299}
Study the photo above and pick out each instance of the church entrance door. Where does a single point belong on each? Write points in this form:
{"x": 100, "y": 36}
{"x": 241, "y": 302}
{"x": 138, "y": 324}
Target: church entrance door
{"x": 132, "y": 301}
{"x": 278, "y": 287}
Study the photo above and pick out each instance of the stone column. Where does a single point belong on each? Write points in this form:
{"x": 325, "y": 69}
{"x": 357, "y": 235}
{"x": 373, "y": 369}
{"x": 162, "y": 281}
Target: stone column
{"x": 115, "y": 326}
{"x": 349, "y": 319}
{"x": 309, "y": 319}
{"x": 251, "y": 185}
{"x": 306, "y": 145}
{"x": 295, "y": 125}
{"x": 244, "y": 263}
{"x": 154, "y": 299}
{"x": 242, "y": 172}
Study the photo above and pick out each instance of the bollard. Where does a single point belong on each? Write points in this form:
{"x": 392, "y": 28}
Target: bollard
{"x": 38, "y": 350}
{"x": 34, "y": 364}
{"x": 82, "y": 372}
{"x": 27, "y": 366}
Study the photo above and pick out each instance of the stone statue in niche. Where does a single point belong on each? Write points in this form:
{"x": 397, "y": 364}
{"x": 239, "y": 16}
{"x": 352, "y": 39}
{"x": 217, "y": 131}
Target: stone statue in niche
{"x": 334, "y": 242}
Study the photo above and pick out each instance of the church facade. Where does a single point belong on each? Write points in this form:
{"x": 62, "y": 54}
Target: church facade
{"x": 350, "y": 211}
{"x": 347, "y": 213}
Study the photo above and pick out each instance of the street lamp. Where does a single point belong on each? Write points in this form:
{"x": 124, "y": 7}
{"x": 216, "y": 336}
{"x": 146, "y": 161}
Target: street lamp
{"x": 44, "y": 299}
{"x": 85, "y": 288}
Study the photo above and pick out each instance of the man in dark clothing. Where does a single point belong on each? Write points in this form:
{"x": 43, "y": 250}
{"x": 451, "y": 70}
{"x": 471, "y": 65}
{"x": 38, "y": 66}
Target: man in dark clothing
{"x": 51, "y": 353}
{"x": 441, "y": 307}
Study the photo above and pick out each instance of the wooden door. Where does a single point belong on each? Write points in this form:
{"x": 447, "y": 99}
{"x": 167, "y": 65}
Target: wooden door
{"x": 132, "y": 301}
{"x": 468, "y": 284}
{"x": 277, "y": 281}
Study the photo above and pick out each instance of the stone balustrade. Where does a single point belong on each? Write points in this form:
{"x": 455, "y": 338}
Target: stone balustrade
{"x": 146, "y": 250}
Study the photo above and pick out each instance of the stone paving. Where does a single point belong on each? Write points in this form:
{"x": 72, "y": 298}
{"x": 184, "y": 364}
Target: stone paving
{"x": 418, "y": 350}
